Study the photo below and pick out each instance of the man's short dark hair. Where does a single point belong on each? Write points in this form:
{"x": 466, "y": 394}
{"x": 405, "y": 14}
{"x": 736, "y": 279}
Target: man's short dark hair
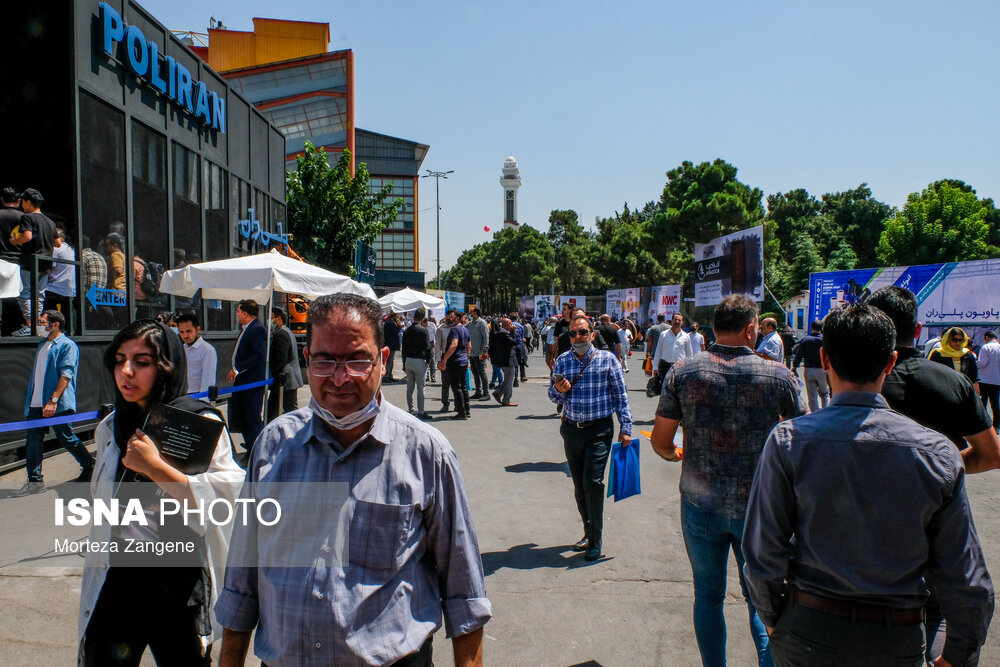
{"x": 55, "y": 317}
{"x": 250, "y": 307}
{"x": 367, "y": 309}
{"x": 9, "y": 195}
{"x": 734, "y": 313}
{"x": 189, "y": 317}
{"x": 590, "y": 325}
{"x": 280, "y": 312}
{"x": 858, "y": 339}
{"x": 661, "y": 318}
{"x": 477, "y": 312}
{"x": 817, "y": 326}
{"x": 114, "y": 239}
{"x": 989, "y": 335}
{"x": 900, "y": 305}
{"x": 34, "y": 196}
{"x": 454, "y": 312}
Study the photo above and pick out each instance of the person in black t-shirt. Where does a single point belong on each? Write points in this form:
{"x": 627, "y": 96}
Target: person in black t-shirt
{"x": 562, "y": 326}
{"x": 563, "y": 344}
{"x": 34, "y": 234}
{"x": 609, "y": 332}
{"x": 10, "y": 216}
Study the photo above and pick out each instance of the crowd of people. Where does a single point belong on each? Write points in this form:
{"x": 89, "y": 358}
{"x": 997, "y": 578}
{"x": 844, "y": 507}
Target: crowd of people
{"x": 839, "y": 561}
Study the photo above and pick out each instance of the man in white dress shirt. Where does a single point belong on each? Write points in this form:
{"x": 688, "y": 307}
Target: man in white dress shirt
{"x": 989, "y": 374}
{"x": 202, "y": 359}
{"x": 673, "y": 345}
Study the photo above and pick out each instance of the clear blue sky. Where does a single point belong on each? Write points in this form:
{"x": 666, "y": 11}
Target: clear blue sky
{"x": 597, "y": 100}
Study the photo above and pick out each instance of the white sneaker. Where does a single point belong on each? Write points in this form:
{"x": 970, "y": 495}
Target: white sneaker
{"x": 23, "y": 331}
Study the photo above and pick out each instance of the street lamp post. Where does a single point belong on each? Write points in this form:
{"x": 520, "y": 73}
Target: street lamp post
{"x": 437, "y": 176}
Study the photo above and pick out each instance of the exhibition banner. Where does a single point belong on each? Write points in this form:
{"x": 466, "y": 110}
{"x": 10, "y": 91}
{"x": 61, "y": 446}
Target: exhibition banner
{"x": 622, "y": 303}
{"x": 730, "y": 264}
{"x": 665, "y": 300}
{"x": 573, "y": 301}
{"x": 527, "y": 308}
{"x": 953, "y": 294}
{"x": 545, "y": 306}
{"x": 455, "y": 300}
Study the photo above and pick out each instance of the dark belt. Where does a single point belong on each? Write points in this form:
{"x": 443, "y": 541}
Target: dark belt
{"x": 863, "y": 612}
{"x": 586, "y": 424}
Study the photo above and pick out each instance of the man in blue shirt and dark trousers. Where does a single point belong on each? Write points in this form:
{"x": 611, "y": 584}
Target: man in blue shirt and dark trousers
{"x": 590, "y": 385}
{"x": 814, "y": 376}
{"x": 52, "y": 393}
{"x": 852, "y": 510}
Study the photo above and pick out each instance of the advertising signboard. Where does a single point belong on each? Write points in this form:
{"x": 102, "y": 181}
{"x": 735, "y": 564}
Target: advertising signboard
{"x": 730, "y": 264}
{"x": 965, "y": 294}
{"x": 573, "y": 301}
{"x": 665, "y": 300}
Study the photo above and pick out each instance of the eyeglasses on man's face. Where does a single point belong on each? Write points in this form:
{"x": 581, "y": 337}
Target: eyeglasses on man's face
{"x": 356, "y": 368}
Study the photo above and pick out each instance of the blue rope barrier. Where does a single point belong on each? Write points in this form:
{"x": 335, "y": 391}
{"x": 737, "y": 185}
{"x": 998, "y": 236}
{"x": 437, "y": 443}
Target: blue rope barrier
{"x": 86, "y": 416}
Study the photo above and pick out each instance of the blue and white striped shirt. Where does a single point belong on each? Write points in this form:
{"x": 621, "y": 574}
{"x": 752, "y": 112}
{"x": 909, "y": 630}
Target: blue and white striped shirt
{"x": 599, "y": 392}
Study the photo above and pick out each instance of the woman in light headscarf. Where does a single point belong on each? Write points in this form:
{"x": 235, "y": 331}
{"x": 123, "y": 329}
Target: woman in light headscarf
{"x": 125, "y": 607}
{"x": 955, "y": 351}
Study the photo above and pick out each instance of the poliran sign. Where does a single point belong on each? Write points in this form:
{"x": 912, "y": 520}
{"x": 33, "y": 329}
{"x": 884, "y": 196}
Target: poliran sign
{"x": 730, "y": 264}
{"x": 142, "y": 58}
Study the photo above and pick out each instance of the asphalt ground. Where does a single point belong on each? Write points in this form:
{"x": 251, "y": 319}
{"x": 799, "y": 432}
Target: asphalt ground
{"x": 551, "y": 608}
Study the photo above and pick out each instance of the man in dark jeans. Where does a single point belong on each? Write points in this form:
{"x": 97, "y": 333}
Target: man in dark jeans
{"x": 392, "y": 331}
{"x": 455, "y": 362}
{"x": 479, "y": 352}
{"x": 989, "y": 374}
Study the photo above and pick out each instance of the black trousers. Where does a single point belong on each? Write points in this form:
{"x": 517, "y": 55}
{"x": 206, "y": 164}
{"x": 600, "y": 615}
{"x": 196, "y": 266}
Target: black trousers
{"x": 289, "y": 402}
{"x": 807, "y": 637}
{"x": 454, "y": 377}
{"x": 991, "y": 393}
{"x": 244, "y": 415}
{"x": 587, "y": 452}
{"x": 139, "y": 607}
{"x": 662, "y": 368}
{"x": 478, "y": 367}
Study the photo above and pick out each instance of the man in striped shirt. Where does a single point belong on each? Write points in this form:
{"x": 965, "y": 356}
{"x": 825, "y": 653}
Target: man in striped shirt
{"x": 590, "y": 385}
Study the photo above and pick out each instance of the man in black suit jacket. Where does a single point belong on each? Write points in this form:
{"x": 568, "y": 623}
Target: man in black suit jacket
{"x": 248, "y": 366}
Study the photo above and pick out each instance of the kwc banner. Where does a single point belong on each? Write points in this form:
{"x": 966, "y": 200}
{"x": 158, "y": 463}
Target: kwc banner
{"x": 731, "y": 264}
{"x": 665, "y": 300}
{"x": 952, "y": 294}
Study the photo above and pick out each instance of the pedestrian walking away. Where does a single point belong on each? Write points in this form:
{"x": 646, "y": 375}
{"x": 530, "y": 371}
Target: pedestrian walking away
{"x": 822, "y": 603}
{"x": 807, "y": 354}
{"x": 729, "y": 400}
{"x": 416, "y": 352}
{"x": 590, "y": 385}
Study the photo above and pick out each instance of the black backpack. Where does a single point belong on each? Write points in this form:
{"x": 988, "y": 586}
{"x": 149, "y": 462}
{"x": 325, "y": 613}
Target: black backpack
{"x": 151, "y": 275}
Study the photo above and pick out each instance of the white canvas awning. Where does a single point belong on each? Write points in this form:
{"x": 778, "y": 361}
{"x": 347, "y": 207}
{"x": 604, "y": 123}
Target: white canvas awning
{"x": 256, "y": 277}
{"x": 10, "y": 280}
{"x": 408, "y": 299}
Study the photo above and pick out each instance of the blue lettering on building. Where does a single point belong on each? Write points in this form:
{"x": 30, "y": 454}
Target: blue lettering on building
{"x": 251, "y": 229}
{"x": 99, "y": 296}
{"x": 142, "y": 58}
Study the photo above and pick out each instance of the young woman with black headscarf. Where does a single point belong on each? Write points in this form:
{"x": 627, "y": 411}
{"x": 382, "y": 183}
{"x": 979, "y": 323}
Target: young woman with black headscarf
{"x": 125, "y": 607}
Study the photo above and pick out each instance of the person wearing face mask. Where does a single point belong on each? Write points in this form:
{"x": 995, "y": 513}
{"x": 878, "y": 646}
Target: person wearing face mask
{"x": 165, "y": 605}
{"x": 52, "y": 393}
{"x": 411, "y": 550}
{"x": 590, "y": 385}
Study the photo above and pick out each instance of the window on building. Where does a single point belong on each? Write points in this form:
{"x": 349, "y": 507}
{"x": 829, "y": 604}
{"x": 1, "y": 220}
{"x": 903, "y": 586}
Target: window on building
{"x": 150, "y": 222}
{"x": 103, "y": 203}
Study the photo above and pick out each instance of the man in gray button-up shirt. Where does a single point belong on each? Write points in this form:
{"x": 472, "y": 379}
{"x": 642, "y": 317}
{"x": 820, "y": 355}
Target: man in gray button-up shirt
{"x": 479, "y": 339}
{"x": 851, "y": 508}
{"x": 412, "y": 556}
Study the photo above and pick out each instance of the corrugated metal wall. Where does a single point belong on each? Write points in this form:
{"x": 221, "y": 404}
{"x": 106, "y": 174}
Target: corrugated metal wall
{"x": 272, "y": 41}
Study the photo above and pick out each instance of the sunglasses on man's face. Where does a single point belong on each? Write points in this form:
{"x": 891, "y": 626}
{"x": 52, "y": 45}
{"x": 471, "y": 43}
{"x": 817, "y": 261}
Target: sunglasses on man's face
{"x": 579, "y": 333}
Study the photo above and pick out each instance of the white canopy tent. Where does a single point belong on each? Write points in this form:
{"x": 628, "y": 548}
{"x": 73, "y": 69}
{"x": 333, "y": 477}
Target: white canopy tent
{"x": 408, "y": 299}
{"x": 10, "y": 280}
{"x": 258, "y": 277}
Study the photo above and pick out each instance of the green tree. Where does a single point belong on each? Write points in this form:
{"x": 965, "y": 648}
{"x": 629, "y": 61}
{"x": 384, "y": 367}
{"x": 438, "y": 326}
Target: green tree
{"x": 859, "y": 220}
{"x": 946, "y": 222}
{"x": 572, "y": 246}
{"x": 329, "y": 210}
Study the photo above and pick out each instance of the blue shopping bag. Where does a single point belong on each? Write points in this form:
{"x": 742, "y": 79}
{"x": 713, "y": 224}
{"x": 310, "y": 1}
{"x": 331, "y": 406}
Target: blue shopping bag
{"x": 625, "y": 470}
